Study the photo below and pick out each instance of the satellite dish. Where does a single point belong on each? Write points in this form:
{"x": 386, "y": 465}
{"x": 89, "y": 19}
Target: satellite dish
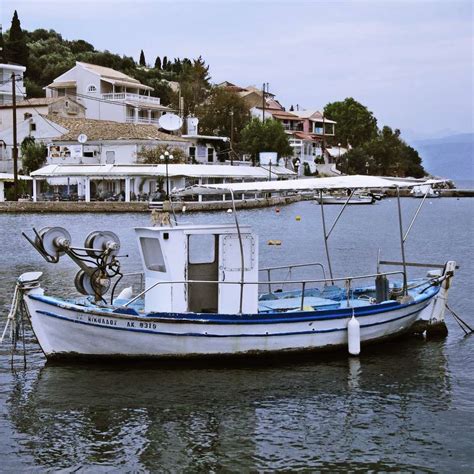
{"x": 170, "y": 122}
{"x": 82, "y": 138}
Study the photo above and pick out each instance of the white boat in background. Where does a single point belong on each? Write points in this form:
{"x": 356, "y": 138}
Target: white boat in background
{"x": 425, "y": 190}
{"x": 341, "y": 199}
{"x": 202, "y": 295}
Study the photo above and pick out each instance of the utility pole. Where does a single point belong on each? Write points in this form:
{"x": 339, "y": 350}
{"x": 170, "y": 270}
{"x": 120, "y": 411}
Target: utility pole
{"x": 15, "y": 147}
{"x": 231, "y": 137}
{"x": 263, "y": 103}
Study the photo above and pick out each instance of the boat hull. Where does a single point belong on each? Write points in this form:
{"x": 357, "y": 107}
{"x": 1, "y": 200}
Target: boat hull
{"x": 67, "y": 330}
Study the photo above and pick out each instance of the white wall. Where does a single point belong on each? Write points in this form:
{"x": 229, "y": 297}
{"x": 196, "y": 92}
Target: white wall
{"x": 6, "y": 115}
{"x": 44, "y": 133}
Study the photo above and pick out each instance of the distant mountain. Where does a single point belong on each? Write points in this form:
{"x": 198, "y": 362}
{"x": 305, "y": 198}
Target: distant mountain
{"x": 449, "y": 157}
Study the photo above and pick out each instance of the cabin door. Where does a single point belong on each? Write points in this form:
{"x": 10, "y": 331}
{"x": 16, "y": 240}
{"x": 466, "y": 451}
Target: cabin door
{"x": 203, "y": 264}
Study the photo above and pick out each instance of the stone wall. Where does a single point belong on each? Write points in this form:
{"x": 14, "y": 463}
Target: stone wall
{"x": 109, "y": 207}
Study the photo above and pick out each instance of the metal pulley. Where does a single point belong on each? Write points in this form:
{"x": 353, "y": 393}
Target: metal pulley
{"x": 53, "y": 241}
{"x": 98, "y": 242}
{"x": 92, "y": 282}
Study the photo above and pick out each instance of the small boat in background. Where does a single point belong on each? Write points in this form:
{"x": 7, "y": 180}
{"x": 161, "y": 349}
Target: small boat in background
{"x": 341, "y": 199}
{"x": 425, "y": 190}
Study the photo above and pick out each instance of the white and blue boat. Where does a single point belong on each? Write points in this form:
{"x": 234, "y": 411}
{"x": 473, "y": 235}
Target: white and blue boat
{"x": 201, "y": 295}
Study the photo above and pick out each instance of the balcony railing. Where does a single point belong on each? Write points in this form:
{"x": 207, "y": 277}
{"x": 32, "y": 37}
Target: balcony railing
{"x": 146, "y": 120}
{"x": 129, "y": 96}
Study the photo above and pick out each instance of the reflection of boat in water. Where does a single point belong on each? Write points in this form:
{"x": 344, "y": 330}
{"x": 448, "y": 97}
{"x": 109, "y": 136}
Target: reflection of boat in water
{"x": 203, "y": 297}
{"x": 156, "y": 419}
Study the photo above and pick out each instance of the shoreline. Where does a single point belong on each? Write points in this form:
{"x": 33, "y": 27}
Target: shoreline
{"x": 52, "y": 207}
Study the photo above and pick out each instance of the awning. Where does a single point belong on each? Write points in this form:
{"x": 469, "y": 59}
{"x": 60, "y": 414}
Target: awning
{"x": 62, "y": 84}
{"x": 10, "y": 177}
{"x": 174, "y": 170}
{"x": 309, "y": 184}
{"x": 122, "y": 83}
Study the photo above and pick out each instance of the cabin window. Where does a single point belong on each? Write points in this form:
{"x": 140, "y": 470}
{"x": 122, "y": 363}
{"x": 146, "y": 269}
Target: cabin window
{"x": 92, "y": 88}
{"x": 32, "y": 127}
{"x": 152, "y": 254}
{"x": 201, "y": 248}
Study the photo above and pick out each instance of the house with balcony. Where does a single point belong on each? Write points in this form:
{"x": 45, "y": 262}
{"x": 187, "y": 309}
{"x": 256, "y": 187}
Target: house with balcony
{"x": 107, "y": 94}
{"x": 6, "y": 72}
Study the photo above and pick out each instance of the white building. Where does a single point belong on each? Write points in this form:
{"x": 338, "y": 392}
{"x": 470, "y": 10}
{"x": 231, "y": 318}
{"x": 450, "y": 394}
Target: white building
{"x": 108, "y": 94}
{"x": 54, "y": 106}
{"x": 95, "y": 181}
{"x": 6, "y": 72}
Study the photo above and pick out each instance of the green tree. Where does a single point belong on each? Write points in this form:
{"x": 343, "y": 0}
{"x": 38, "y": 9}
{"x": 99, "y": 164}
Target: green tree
{"x": 195, "y": 84}
{"x": 151, "y": 155}
{"x": 16, "y": 47}
{"x": 142, "y": 58}
{"x": 158, "y": 63}
{"x": 355, "y": 123}
{"x": 3, "y": 57}
{"x": 33, "y": 155}
{"x": 224, "y": 113}
{"x": 386, "y": 155}
{"x": 269, "y": 136}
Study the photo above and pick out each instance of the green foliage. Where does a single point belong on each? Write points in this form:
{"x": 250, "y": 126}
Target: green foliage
{"x": 269, "y": 136}
{"x": 142, "y": 58}
{"x": 16, "y": 48}
{"x": 158, "y": 63}
{"x": 151, "y": 156}
{"x": 355, "y": 123}
{"x": 386, "y": 155}
{"x": 33, "y": 154}
{"x": 224, "y": 113}
{"x": 3, "y": 57}
{"x": 195, "y": 84}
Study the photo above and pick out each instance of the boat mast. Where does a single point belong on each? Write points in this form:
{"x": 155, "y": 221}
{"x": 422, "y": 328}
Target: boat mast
{"x": 325, "y": 234}
{"x": 241, "y": 245}
{"x": 402, "y": 242}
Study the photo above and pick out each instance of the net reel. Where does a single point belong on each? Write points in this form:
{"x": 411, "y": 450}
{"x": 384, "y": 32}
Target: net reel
{"x": 98, "y": 259}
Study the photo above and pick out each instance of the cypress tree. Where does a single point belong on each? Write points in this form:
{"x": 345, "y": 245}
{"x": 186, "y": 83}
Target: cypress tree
{"x": 164, "y": 64}
{"x": 142, "y": 58}
{"x": 157, "y": 63}
{"x": 17, "y": 50}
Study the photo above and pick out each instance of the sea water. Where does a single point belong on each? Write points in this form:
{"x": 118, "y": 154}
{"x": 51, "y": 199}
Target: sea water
{"x": 403, "y": 405}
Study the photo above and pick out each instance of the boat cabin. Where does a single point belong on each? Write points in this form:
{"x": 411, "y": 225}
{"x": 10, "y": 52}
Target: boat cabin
{"x": 175, "y": 258}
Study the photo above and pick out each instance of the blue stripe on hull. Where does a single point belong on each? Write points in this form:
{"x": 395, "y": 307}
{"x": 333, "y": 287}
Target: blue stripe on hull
{"x": 258, "y": 318}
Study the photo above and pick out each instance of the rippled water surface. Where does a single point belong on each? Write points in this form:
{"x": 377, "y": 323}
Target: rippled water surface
{"x": 404, "y": 405}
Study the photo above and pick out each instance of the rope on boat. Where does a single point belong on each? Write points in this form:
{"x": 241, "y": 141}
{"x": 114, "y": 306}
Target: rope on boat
{"x": 460, "y": 321}
{"x": 16, "y": 319}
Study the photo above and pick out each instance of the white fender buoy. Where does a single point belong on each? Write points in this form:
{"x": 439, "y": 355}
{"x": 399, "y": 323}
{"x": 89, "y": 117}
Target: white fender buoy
{"x": 353, "y": 336}
{"x": 125, "y": 294}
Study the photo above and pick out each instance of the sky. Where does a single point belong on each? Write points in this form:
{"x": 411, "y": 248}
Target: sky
{"x": 409, "y": 61}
